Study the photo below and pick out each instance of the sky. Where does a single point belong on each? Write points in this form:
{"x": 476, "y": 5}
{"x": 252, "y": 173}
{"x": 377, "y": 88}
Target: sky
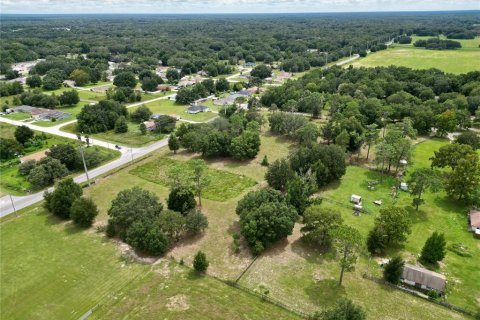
{"x": 229, "y": 6}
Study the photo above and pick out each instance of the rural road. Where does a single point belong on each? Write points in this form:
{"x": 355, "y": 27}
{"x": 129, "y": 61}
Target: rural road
{"x": 128, "y": 154}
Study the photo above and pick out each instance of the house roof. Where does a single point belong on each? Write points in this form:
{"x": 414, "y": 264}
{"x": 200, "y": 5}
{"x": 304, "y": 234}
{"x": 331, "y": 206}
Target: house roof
{"x": 475, "y": 218}
{"x": 424, "y": 277}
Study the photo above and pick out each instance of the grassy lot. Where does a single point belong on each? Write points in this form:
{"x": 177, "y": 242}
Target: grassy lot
{"x": 222, "y": 184}
{"x": 420, "y": 58}
{"x": 150, "y": 96}
{"x": 91, "y": 96}
{"x": 12, "y": 182}
{"x": 185, "y": 295}
{"x": 467, "y": 44}
{"x": 19, "y": 116}
{"x": 169, "y": 107}
{"x": 294, "y": 272}
{"x": 132, "y": 138}
{"x": 53, "y": 270}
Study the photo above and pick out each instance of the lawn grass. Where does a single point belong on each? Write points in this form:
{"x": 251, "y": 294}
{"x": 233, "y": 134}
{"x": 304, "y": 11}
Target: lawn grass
{"x": 51, "y": 269}
{"x": 11, "y": 182}
{"x": 150, "y": 96}
{"x": 175, "y": 292}
{"x": 170, "y": 107}
{"x": 450, "y": 61}
{"x": 19, "y": 116}
{"x": 91, "y": 96}
{"x": 222, "y": 184}
{"x": 132, "y": 138}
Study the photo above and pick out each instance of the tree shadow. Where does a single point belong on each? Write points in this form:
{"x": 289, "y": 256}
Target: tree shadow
{"x": 416, "y": 216}
{"x": 323, "y": 292}
{"x": 311, "y": 253}
{"x": 194, "y": 275}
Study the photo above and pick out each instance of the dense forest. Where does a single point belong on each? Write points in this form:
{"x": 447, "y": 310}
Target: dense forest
{"x": 193, "y": 43}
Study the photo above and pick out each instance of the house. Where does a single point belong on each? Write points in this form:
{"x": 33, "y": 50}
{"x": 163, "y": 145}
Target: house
{"x": 69, "y": 83}
{"x": 474, "y": 222}
{"x": 101, "y": 89}
{"x": 150, "y": 125}
{"x": 40, "y": 113}
{"x": 356, "y": 199}
{"x": 194, "y": 109}
{"x": 423, "y": 278}
{"x": 282, "y": 76}
{"x": 163, "y": 87}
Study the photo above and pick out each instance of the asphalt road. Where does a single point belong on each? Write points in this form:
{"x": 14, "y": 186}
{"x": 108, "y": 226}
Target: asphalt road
{"x": 128, "y": 155}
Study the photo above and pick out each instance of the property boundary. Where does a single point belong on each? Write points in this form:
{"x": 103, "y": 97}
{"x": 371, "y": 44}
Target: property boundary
{"x": 414, "y": 293}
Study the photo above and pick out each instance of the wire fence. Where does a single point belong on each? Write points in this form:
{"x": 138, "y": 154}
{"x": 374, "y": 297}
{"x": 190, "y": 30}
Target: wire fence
{"x": 264, "y": 297}
{"x": 416, "y": 294}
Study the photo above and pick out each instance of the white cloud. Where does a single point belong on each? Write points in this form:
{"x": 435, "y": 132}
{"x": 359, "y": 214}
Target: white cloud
{"x": 228, "y": 6}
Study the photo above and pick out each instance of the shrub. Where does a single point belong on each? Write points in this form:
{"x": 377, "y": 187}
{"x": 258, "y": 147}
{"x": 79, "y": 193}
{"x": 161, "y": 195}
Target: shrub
{"x": 60, "y": 201}
{"x": 393, "y": 270}
{"x": 181, "y": 199}
{"x": 200, "y": 262}
{"x": 83, "y": 212}
{"x": 196, "y": 222}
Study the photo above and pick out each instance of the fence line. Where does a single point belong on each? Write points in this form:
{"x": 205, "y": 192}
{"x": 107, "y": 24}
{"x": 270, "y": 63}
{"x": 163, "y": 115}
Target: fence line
{"x": 415, "y": 293}
{"x": 262, "y": 296}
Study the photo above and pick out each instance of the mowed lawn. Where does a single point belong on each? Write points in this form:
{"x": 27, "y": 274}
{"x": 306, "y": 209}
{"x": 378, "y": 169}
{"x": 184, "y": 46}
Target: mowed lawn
{"x": 53, "y": 270}
{"x": 171, "y": 291}
{"x": 451, "y": 61}
{"x": 133, "y": 138}
{"x": 170, "y": 107}
{"x": 222, "y": 185}
{"x": 302, "y": 277}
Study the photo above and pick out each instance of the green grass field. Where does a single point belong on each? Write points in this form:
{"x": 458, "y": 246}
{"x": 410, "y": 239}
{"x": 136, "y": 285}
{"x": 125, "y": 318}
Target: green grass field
{"x": 222, "y": 184}
{"x": 451, "y": 61}
{"x": 298, "y": 276}
{"x": 19, "y": 116}
{"x": 169, "y": 107}
{"x": 53, "y": 270}
{"x": 132, "y": 138}
{"x": 91, "y": 96}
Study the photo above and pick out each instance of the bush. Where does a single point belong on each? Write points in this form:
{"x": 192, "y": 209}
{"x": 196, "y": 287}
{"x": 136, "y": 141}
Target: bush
{"x": 46, "y": 171}
{"x": 181, "y": 199}
{"x": 60, "y": 201}
{"x": 83, "y": 212}
{"x": 196, "y": 222}
{"x": 278, "y": 174}
{"x": 147, "y": 237}
{"x": 434, "y": 248}
{"x": 393, "y": 270}
{"x": 121, "y": 125}
{"x": 23, "y": 134}
{"x": 25, "y": 167}
{"x": 200, "y": 262}
{"x": 265, "y": 161}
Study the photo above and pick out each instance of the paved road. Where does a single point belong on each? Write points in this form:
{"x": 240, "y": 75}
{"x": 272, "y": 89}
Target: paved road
{"x": 128, "y": 154}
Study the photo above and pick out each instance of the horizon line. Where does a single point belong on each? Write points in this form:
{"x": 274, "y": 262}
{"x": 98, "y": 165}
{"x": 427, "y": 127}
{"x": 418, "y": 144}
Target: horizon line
{"x": 236, "y": 13}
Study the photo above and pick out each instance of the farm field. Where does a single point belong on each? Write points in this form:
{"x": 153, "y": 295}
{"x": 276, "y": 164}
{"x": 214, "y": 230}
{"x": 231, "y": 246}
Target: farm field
{"x": 169, "y": 107}
{"x": 132, "y": 138}
{"x": 419, "y": 58}
{"x": 299, "y": 276}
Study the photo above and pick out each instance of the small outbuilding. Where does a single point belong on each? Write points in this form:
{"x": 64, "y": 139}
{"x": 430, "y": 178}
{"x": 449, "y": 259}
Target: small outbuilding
{"x": 474, "y": 222}
{"x": 423, "y": 278}
{"x": 404, "y": 186}
{"x": 356, "y": 199}
{"x": 403, "y": 162}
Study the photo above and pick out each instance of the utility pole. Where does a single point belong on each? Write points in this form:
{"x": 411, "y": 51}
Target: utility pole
{"x": 84, "y": 164}
{"x": 14, "y": 210}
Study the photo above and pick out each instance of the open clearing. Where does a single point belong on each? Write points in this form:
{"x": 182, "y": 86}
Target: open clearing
{"x": 451, "y": 61}
{"x": 170, "y": 107}
{"x": 222, "y": 184}
{"x": 294, "y": 274}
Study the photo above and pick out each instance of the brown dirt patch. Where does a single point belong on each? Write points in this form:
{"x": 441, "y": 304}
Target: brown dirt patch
{"x": 178, "y": 303}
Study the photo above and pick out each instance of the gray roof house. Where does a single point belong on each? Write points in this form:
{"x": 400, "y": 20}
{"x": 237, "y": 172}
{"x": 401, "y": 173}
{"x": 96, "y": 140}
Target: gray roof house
{"x": 423, "y": 278}
{"x": 193, "y": 109}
